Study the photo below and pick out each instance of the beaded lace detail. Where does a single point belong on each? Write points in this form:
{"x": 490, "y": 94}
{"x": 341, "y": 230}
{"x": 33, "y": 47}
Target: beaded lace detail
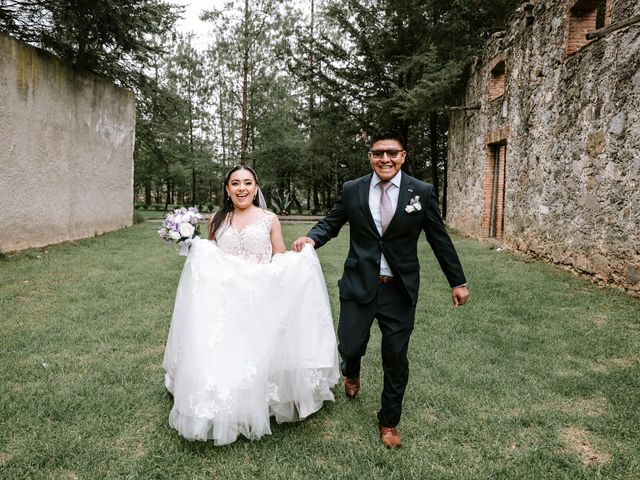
{"x": 252, "y": 243}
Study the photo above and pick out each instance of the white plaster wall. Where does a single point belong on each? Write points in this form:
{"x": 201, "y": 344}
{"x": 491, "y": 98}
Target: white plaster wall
{"x": 66, "y": 150}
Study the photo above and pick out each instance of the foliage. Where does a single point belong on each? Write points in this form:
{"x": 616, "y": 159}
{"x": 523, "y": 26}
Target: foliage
{"x": 174, "y": 138}
{"x": 398, "y": 64}
{"x": 138, "y": 217}
{"x": 111, "y": 38}
{"x": 281, "y": 205}
{"x": 290, "y": 90}
{"x": 247, "y": 37}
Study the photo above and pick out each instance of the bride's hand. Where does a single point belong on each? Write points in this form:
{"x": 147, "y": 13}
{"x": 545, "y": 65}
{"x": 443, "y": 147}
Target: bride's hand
{"x": 299, "y": 244}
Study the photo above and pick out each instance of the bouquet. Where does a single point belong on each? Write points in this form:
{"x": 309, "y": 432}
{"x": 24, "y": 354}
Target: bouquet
{"x": 181, "y": 226}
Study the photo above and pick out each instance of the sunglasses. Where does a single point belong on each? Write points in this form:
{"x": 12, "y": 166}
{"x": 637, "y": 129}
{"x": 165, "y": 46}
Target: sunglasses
{"x": 392, "y": 153}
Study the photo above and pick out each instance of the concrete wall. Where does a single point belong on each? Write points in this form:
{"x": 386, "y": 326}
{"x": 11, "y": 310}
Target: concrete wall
{"x": 66, "y": 150}
{"x": 571, "y": 126}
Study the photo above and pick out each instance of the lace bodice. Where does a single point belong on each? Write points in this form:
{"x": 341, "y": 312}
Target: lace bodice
{"x": 252, "y": 243}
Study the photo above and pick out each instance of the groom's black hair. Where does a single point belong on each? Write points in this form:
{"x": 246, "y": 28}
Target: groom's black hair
{"x": 387, "y": 134}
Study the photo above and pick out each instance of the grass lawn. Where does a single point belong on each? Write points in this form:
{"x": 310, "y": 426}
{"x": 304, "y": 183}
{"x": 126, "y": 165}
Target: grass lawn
{"x": 538, "y": 377}
{"x": 154, "y": 214}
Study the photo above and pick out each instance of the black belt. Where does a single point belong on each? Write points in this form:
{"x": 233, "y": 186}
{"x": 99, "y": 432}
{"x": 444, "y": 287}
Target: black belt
{"x": 386, "y": 279}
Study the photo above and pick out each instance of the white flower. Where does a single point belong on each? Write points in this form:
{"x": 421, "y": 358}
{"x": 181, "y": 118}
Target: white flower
{"x": 180, "y": 224}
{"x": 187, "y": 230}
{"x": 414, "y": 205}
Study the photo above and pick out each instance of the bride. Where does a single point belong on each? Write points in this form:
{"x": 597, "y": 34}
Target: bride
{"x": 252, "y": 333}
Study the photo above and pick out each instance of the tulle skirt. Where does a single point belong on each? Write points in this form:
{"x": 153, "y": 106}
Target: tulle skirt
{"x": 248, "y": 341}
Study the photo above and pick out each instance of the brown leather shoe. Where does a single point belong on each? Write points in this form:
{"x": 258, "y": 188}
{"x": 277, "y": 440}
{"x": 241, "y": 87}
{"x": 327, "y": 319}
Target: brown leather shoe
{"x": 351, "y": 386}
{"x": 389, "y": 437}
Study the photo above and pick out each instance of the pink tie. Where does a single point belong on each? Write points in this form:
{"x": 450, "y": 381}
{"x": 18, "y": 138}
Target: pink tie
{"x": 386, "y": 212}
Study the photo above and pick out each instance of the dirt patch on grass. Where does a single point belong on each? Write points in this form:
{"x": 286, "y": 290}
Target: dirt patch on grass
{"x": 579, "y": 442}
{"x": 619, "y": 362}
{"x": 593, "y": 407}
{"x": 329, "y": 427}
{"x": 526, "y": 439}
{"x": 600, "y": 320}
{"x": 429, "y": 415}
{"x": 625, "y": 361}
{"x": 153, "y": 349}
{"x": 4, "y": 458}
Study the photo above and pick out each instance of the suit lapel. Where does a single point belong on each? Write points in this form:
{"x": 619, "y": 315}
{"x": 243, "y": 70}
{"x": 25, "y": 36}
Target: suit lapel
{"x": 363, "y": 191}
{"x": 404, "y": 195}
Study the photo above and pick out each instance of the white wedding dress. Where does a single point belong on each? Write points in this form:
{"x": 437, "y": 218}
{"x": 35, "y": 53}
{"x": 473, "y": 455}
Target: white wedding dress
{"x": 251, "y": 337}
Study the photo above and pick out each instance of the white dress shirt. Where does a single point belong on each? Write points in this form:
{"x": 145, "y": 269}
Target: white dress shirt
{"x": 374, "y": 205}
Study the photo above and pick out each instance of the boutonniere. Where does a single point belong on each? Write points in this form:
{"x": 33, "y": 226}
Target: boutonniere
{"x": 414, "y": 205}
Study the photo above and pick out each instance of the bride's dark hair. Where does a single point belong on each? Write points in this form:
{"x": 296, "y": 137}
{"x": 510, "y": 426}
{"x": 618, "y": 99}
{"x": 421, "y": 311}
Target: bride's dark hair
{"x": 227, "y": 204}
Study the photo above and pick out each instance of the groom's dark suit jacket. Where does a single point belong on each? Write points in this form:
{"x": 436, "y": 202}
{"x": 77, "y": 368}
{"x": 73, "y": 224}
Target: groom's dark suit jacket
{"x": 399, "y": 243}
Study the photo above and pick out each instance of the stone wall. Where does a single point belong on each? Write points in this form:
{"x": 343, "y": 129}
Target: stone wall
{"x": 66, "y": 150}
{"x": 568, "y": 124}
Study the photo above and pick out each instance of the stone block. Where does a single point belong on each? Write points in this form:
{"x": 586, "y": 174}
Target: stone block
{"x": 595, "y": 143}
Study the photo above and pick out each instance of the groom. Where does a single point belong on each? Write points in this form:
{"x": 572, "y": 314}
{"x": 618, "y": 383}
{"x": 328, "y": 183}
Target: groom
{"x": 386, "y": 210}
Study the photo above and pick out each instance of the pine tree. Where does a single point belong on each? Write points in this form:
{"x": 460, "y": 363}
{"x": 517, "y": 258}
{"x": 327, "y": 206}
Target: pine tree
{"x": 111, "y": 38}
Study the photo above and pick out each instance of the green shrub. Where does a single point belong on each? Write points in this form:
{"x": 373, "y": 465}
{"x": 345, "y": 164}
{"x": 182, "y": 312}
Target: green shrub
{"x": 138, "y": 217}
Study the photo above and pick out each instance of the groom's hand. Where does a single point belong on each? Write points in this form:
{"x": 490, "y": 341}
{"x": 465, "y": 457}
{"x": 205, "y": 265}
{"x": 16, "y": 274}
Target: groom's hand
{"x": 299, "y": 244}
{"x": 460, "y": 295}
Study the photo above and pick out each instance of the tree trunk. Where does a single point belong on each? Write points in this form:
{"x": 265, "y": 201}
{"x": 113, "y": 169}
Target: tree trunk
{"x": 245, "y": 85}
{"x": 168, "y": 199}
{"x": 312, "y": 159}
{"x": 222, "y": 130}
{"x": 314, "y": 194}
{"x": 445, "y": 184}
{"x": 147, "y": 195}
{"x": 435, "y": 154}
{"x": 194, "y": 201}
{"x": 251, "y": 131}
{"x": 408, "y": 165}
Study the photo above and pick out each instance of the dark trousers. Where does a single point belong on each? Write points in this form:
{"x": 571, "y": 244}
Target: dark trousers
{"x": 395, "y": 318}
